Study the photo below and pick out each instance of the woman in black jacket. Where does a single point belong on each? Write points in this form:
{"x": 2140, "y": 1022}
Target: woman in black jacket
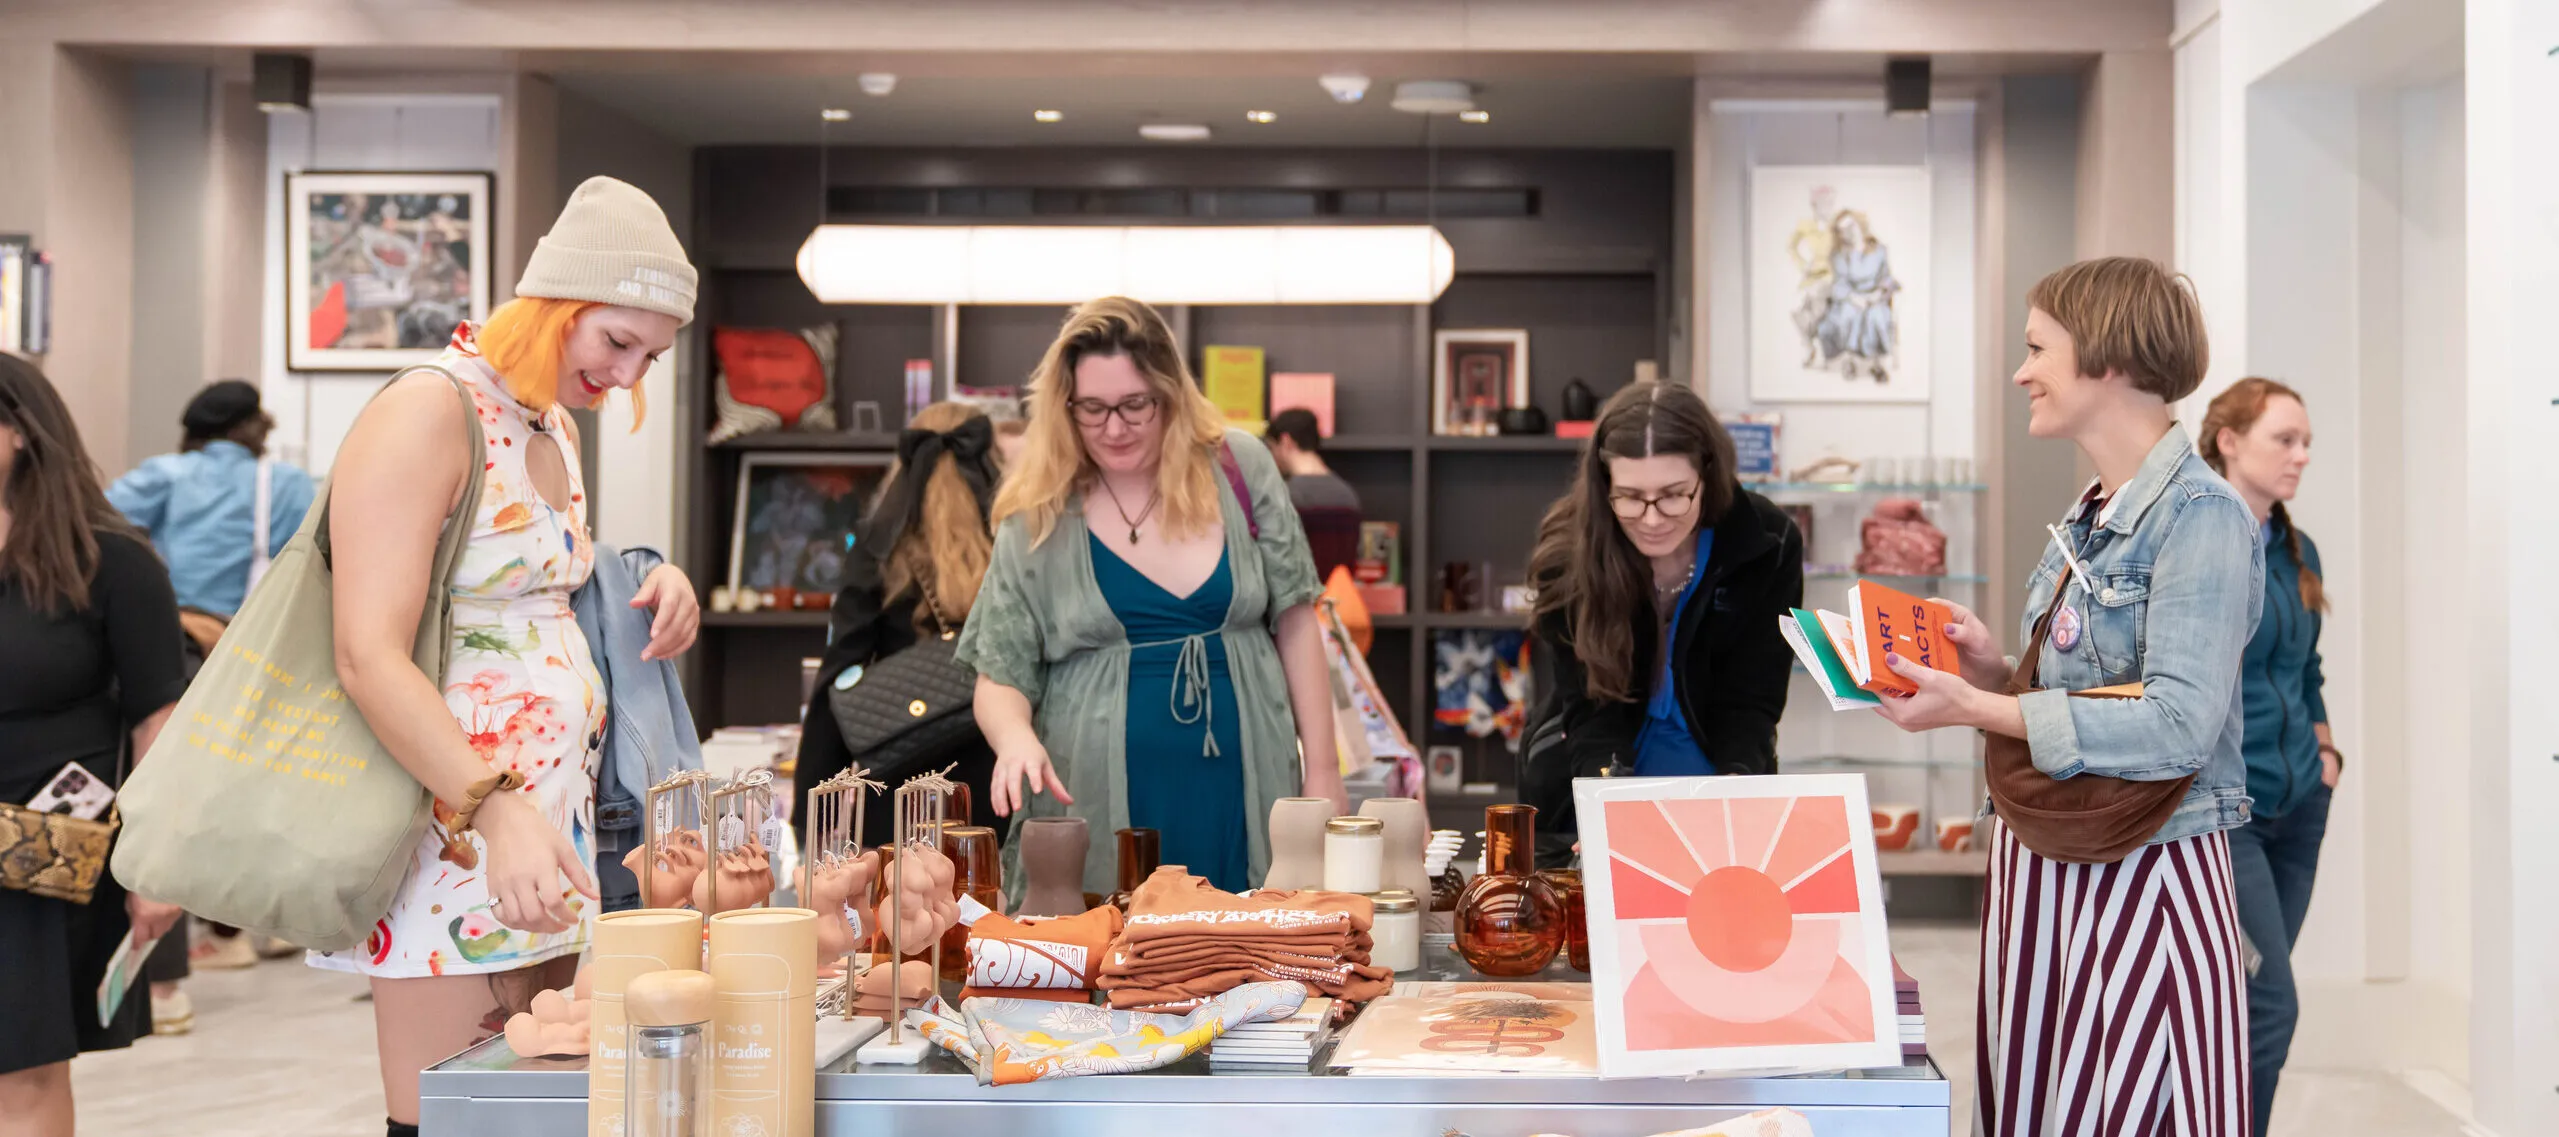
{"x": 1656, "y": 544}
{"x": 926, "y": 535}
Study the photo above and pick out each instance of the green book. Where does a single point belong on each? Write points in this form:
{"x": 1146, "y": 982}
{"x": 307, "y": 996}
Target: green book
{"x": 1803, "y": 632}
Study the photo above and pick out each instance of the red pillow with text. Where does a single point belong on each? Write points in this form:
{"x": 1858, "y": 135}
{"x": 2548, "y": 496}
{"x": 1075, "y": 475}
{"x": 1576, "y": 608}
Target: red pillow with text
{"x": 773, "y": 379}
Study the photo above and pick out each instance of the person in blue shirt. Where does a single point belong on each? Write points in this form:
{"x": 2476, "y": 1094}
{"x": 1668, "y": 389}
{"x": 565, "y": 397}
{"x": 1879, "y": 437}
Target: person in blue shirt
{"x": 1659, "y": 583}
{"x": 2256, "y": 435}
{"x": 200, "y": 503}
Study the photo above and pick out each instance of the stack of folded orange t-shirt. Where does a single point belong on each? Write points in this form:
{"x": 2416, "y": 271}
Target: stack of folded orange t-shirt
{"x": 1053, "y": 960}
{"x": 1186, "y": 941}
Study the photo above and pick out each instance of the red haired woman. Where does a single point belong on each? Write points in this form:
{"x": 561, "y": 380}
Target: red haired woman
{"x": 501, "y": 893}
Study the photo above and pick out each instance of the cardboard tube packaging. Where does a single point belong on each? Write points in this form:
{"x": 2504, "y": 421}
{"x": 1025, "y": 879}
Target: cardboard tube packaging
{"x": 763, "y": 967}
{"x": 628, "y": 945}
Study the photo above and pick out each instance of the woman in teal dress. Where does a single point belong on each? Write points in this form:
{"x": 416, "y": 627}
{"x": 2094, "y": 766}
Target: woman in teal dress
{"x": 1145, "y": 641}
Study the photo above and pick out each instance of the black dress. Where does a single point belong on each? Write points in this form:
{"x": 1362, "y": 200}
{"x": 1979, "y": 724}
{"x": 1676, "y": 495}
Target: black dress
{"x": 73, "y": 685}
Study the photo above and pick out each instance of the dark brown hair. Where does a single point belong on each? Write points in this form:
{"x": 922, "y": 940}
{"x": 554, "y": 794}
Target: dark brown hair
{"x": 56, "y": 508}
{"x": 2238, "y": 410}
{"x": 1585, "y": 567}
{"x": 2132, "y": 315}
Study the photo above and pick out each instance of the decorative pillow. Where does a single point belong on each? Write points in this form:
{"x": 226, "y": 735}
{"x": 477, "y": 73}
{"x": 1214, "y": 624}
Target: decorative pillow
{"x": 773, "y": 379}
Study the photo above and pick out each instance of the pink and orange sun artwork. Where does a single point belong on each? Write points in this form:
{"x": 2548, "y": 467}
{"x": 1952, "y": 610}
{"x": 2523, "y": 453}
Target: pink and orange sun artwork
{"x": 1739, "y": 923}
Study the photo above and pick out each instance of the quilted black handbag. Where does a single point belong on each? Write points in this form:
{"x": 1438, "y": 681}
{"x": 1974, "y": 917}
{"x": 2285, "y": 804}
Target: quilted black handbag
{"x": 903, "y": 713}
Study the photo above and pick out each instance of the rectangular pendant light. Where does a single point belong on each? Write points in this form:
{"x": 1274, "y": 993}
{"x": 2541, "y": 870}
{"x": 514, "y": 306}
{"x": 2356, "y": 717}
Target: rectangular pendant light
{"x": 1160, "y": 264}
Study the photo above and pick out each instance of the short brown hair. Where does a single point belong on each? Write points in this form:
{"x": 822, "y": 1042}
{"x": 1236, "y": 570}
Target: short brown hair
{"x": 2130, "y": 314}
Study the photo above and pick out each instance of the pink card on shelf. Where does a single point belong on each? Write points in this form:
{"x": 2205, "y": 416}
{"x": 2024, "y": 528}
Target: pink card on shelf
{"x": 1309, "y": 390}
{"x": 1736, "y": 924}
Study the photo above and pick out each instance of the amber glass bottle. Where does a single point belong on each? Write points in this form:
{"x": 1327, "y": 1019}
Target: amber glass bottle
{"x": 976, "y": 872}
{"x": 1141, "y": 850}
{"x": 1510, "y": 923}
{"x": 1567, "y": 884}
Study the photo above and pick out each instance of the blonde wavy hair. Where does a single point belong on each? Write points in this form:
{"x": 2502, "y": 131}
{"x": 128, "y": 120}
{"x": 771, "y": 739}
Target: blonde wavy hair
{"x": 525, "y": 339}
{"x": 1053, "y": 462}
{"x": 947, "y": 540}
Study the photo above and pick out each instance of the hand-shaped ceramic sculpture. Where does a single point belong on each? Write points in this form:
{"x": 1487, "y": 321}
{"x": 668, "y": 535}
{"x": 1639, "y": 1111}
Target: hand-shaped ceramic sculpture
{"x": 746, "y": 878}
{"x": 556, "y": 1026}
{"x": 680, "y": 862}
{"x": 921, "y": 906}
{"x": 831, "y": 892}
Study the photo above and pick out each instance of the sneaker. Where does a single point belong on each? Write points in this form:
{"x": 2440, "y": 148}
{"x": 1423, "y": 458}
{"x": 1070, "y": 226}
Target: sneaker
{"x": 224, "y": 953}
{"x": 172, "y": 1015}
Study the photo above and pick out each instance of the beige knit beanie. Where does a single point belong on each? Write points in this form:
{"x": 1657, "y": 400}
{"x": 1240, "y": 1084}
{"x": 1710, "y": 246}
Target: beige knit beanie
{"x": 612, "y": 245}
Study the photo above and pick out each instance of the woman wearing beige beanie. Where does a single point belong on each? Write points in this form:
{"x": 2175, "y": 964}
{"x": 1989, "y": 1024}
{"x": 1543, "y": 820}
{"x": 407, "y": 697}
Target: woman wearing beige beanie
{"x": 500, "y": 895}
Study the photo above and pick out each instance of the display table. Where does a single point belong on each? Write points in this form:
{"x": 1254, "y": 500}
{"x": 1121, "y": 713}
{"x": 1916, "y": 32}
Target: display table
{"x": 487, "y": 1091}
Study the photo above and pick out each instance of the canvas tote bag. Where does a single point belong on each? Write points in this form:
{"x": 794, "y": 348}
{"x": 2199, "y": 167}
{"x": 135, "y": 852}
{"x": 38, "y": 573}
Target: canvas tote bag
{"x": 267, "y": 803}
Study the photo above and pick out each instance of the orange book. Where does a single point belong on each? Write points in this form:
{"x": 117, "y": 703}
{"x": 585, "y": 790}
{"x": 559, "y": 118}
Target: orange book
{"x": 1912, "y": 628}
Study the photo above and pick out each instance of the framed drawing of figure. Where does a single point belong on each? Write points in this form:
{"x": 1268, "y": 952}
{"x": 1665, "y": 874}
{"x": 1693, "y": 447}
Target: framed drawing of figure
{"x": 1476, "y": 374}
{"x": 1840, "y": 273}
{"x": 380, "y": 267}
{"x": 794, "y": 519}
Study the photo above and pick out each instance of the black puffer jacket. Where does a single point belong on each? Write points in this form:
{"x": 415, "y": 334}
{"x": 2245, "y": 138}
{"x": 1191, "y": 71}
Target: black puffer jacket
{"x": 1731, "y": 668}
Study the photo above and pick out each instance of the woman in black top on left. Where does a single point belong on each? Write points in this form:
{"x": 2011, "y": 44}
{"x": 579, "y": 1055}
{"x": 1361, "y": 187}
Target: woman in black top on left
{"x": 89, "y": 662}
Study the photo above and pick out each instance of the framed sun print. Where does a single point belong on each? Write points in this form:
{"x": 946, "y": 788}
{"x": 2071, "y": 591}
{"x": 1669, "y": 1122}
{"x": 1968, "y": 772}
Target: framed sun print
{"x": 794, "y": 519}
{"x": 1476, "y": 374}
{"x": 1736, "y": 924}
{"x": 380, "y": 267}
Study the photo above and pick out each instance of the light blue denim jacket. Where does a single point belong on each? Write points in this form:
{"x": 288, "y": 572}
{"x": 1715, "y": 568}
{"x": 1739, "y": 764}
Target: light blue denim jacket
{"x": 2175, "y": 590}
{"x": 648, "y": 728}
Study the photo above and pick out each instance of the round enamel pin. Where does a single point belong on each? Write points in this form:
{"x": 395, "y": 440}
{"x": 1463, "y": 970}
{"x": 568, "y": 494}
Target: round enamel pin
{"x": 2066, "y": 628}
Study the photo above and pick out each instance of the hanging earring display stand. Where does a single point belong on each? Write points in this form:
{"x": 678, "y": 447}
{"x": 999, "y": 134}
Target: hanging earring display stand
{"x": 835, "y": 808}
{"x": 919, "y": 806}
{"x": 667, "y": 814}
{"x": 738, "y": 815}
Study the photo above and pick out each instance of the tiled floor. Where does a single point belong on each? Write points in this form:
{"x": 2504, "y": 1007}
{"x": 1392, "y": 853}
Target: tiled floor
{"x": 285, "y": 1051}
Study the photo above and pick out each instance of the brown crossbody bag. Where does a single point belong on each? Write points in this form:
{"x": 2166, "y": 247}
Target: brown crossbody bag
{"x": 2088, "y": 819}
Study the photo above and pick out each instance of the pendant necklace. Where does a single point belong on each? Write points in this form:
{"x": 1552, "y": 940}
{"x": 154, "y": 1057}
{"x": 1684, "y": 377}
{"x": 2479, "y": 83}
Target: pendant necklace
{"x": 1133, "y": 522}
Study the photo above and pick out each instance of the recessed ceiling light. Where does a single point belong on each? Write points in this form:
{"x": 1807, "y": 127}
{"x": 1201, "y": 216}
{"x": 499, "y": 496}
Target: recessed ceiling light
{"x": 1475, "y": 116}
{"x": 878, "y": 83}
{"x": 1173, "y": 132}
{"x": 1261, "y": 116}
{"x": 1434, "y": 96}
{"x": 835, "y": 114}
{"x": 1048, "y": 116}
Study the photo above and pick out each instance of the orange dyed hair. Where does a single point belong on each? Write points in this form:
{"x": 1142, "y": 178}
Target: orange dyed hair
{"x": 525, "y": 340}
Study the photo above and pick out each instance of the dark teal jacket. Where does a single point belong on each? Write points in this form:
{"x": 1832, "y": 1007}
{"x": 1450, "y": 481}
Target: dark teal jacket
{"x": 2279, "y": 681}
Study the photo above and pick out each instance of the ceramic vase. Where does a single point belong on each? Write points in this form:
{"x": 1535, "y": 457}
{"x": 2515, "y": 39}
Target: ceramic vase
{"x": 1140, "y": 851}
{"x": 1053, "y": 852}
{"x": 977, "y": 873}
{"x": 1510, "y": 923}
{"x": 1408, "y": 829}
{"x": 1297, "y": 843}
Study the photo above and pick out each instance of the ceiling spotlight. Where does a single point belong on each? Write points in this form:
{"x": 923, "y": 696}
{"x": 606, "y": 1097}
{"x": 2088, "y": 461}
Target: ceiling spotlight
{"x": 1173, "y": 132}
{"x": 1475, "y": 116}
{"x": 1261, "y": 116}
{"x": 1345, "y": 89}
{"x": 1434, "y": 96}
{"x": 877, "y": 83}
{"x": 1048, "y": 116}
{"x": 835, "y": 114}
{"x": 281, "y": 82}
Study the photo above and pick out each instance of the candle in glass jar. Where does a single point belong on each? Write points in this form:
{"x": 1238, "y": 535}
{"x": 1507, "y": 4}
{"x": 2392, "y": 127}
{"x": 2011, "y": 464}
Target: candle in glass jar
{"x": 1397, "y": 931}
{"x": 1354, "y": 854}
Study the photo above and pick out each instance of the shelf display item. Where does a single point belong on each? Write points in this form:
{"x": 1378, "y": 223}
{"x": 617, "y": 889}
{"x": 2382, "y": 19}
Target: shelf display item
{"x": 773, "y": 379}
{"x": 1011, "y": 1042}
{"x": 1567, "y": 884}
{"x": 1043, "y": 959}
{"x": 1736, "y": 924}
{"x": 1297, "y": 843}
{"x": 1405, "y": 827}
{"x": 1479, "y": 1028}
{"x": 1898, "y": 539}
{"x": 1580, "y": 403}
{"x": 976, "y": 875}
{"x": 1053, "y": 854}
{"x": 557, "y": 1026}
{"x": 1140, "y": 851}
{"x": 1232, "y": 377}
{"x": 1476, "y": 374}
{"x": 919, "y": 387}
{"x": 1308, "y": 391}
{"x": 764, "y": 1022}
{"x": 791, "y": 523}
{"x": 627, "y": 945}
{"x": 1381, "y": 553}
{"x": 1523, "y": 422}
{"x": 1397, "y": 931}
{"x": 1510, "y": 923}
{"x": 1354, "y": 854}
{"x": 668, "y": 1092}
{"x": 1896, "y": 827}
{"x": 1480, "y": 682}
{"x": 1955, "y": 834}
{"x": 1755, "y": 450}
{"x": 1188, "y": 941}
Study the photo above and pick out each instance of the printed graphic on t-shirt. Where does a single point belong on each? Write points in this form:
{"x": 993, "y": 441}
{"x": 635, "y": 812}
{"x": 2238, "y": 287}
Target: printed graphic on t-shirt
{"x": 1036, "y": 964}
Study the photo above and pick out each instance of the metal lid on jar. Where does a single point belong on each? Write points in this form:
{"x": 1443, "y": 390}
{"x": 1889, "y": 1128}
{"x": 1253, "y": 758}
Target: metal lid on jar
{"x": 1356, "y": 826}
{"x": 1394, "y": 900}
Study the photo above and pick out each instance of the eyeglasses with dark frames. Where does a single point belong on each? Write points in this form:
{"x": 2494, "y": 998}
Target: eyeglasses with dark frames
{"x": 1672, "y": 506}
{"x": 1135, "y": 410}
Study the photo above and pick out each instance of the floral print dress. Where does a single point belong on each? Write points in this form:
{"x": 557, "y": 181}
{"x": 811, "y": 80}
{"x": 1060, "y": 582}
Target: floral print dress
{"x": 523, "y": 687}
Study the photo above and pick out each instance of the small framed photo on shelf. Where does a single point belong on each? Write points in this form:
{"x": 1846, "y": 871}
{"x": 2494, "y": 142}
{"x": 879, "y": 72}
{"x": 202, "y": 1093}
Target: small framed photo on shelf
{"x": 380, "y": 267}
{"x": 794, "y": 520}
{"x": 1476, "y": 374}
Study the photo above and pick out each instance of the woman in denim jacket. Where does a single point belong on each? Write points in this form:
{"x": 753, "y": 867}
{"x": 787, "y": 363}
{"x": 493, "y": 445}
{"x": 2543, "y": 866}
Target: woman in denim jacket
{"x": 2112, "y": 999}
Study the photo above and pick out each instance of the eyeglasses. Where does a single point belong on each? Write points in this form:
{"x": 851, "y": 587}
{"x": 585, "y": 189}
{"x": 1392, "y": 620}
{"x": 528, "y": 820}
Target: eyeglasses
{"x": 1135, "y": 410}
{"x": 1672, "y": 506}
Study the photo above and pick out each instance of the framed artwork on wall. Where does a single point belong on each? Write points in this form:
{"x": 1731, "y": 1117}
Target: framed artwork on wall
{"x": 794, "y": 520}
{"x": 1735, "y": 924}
{"x": 1476, "y": 374}
{"x": 1839, "y": 263}
{"x": 380, "y": 267}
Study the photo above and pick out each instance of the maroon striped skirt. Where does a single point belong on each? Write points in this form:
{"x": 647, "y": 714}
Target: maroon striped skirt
{"x": 2112, "y": 1001}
